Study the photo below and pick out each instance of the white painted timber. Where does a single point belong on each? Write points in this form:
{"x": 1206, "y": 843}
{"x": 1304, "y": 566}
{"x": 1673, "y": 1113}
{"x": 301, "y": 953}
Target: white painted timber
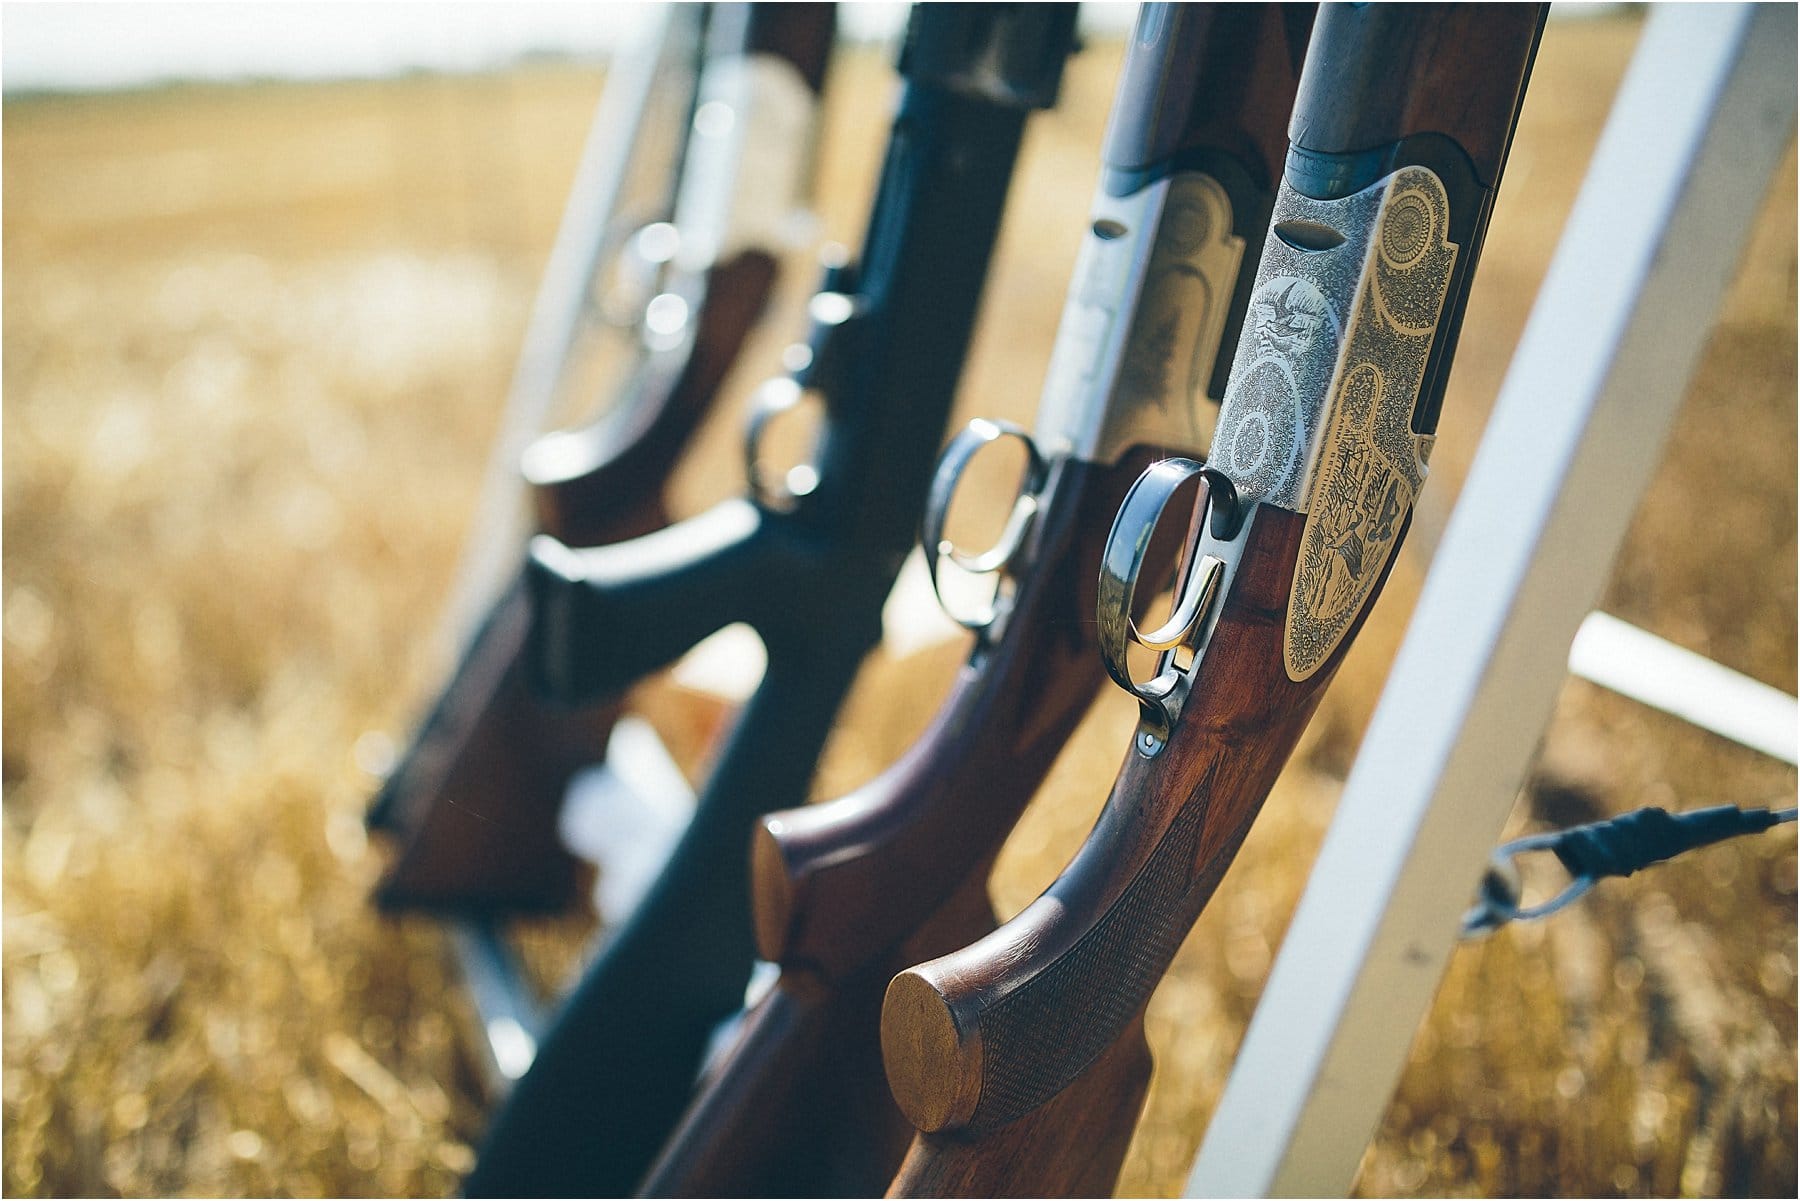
{"x": 1654, "y": 671}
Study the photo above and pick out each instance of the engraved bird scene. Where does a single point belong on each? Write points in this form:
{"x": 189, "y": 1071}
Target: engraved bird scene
{"x": 1293, "y": 333}
{"x": 1288, "y": 348}
{"x": 1288, "y": 316}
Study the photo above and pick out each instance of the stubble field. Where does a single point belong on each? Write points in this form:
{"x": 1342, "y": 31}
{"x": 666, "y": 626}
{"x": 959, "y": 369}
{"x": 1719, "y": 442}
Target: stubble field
{"x": 255, "y": 340}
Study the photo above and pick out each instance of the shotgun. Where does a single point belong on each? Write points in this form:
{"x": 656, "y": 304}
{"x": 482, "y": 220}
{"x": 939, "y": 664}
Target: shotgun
{"x": 473, "y": 804}
{"x": 808, "y": 568}
{"x": 852, "y": 890}
{"x": 1017, "y": 1055}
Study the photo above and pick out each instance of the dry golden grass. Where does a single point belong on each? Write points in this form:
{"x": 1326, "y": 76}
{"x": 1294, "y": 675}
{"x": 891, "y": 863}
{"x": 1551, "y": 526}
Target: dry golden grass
{"x": 254, "y": 340}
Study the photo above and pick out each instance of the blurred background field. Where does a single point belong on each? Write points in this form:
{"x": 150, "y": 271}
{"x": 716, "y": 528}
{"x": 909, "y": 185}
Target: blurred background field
{"x": 255, "y": 339}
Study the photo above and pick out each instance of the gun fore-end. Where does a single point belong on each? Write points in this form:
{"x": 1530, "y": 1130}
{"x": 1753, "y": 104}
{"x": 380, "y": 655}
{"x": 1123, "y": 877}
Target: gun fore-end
{"x": 977, "y": 1039}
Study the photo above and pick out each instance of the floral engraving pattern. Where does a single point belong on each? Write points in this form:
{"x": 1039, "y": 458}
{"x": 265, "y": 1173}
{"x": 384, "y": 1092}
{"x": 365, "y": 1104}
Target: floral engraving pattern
{"x": 1370, "y": 464}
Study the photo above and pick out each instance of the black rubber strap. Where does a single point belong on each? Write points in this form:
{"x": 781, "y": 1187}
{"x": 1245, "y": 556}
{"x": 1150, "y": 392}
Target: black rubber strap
{"x": 1635, "y": 840}
{"x": 1616, "y": 847}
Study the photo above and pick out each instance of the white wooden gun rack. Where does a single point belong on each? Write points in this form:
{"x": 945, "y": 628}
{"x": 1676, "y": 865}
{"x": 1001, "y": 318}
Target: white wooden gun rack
{"x": 1697, "y": 130}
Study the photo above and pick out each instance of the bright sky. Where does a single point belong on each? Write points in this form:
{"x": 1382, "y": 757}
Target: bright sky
{"x": 109, "y": 45}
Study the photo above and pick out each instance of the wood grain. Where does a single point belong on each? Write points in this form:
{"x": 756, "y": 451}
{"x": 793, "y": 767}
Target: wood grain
{"x": 1248, "y": 56}
{"x": 474, "y": 803}
{"x": 1377, "y": 73}
{"x": 1072, "y": 1147}
{"x": 1026, "y": 1011}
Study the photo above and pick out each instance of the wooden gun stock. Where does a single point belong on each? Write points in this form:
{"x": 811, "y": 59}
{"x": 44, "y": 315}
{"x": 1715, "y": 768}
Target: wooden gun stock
{"x": 1017, "y": 1041}
{"x": 474, "y": 803}
{"x": 1073, "y": 1147}
{"x": 850, "y": 891}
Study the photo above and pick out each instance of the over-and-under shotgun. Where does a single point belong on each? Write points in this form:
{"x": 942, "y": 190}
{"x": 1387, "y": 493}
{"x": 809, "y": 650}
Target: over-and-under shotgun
{"x": 1016, "y": 1056}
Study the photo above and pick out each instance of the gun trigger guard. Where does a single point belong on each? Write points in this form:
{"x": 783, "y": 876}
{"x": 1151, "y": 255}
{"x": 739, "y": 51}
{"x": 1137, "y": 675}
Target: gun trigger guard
{"x": 970, "y": 442}
{"x": 773, "y": 398}
{"x": 1127, "y": 546}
